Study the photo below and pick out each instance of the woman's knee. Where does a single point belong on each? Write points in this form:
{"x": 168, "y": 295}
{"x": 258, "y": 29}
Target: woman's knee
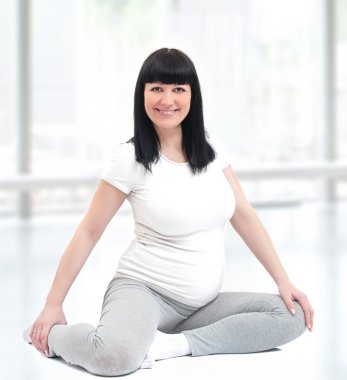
{"x": 292, "y": 326}
{"x": 115, "y": 360}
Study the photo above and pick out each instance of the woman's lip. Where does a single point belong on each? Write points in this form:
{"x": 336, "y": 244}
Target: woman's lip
{"x": 166, "y": 112}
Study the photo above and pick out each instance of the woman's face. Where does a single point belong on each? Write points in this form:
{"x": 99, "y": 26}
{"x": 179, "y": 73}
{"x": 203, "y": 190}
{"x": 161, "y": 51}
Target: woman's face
{"x": 167, "y": 105}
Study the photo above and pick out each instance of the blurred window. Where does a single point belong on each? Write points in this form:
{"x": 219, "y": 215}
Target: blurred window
{"x": 341, "y": 103}
{"x": 257, "y": 63}
{"x": 8, "y": 99}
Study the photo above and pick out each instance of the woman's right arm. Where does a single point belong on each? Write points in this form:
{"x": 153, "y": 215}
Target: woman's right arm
{"x": 106, "y": 202}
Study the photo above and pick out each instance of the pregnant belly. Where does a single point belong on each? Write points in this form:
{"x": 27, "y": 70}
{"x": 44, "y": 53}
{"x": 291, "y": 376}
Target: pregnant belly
{"x": 190, "y": 277}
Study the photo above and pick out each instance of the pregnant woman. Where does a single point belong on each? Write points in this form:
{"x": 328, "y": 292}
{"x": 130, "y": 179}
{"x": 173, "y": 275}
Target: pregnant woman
{"x": 164, "y": 300}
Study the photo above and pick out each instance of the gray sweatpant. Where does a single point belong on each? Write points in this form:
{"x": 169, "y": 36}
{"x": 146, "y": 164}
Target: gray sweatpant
{"x": 133, "y": 311}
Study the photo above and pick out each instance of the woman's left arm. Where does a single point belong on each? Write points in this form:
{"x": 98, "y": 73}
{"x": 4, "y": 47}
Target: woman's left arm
{"x": 248, "y": 225}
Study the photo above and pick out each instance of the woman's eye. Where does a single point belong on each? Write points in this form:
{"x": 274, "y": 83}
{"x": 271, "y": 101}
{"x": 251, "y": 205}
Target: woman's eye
{"x": 179, "y": 89}
{"x": 156, "y": 89}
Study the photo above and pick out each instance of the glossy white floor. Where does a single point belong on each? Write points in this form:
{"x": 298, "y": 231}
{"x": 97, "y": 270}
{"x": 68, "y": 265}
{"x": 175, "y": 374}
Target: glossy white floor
{"x": 311, "y": 240}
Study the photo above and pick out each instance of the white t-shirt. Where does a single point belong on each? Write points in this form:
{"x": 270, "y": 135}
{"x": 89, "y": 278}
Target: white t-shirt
{"x": 179, "y": 223}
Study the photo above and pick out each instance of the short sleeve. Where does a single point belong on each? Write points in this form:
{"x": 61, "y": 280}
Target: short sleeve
{"x": 122, "y": 170}
{"x": 223, "y": 156}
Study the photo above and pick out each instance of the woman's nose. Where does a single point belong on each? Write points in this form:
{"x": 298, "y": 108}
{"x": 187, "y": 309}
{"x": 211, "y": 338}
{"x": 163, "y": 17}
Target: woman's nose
{"x": 167, "y": 98}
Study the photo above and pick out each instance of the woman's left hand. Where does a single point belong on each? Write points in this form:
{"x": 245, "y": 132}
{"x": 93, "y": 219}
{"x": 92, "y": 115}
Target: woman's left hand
{"x": 290, "y": 293}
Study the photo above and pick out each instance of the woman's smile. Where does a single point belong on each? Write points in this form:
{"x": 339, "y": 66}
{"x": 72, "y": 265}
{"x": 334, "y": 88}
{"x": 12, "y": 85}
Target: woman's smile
{"x": 167, "y": 112}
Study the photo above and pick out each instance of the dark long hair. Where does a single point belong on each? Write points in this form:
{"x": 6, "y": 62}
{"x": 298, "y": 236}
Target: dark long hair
{"x": 171, "y": 66}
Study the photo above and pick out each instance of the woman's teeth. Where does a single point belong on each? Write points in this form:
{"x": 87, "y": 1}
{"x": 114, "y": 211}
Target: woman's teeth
{"x": 167, "y": 112}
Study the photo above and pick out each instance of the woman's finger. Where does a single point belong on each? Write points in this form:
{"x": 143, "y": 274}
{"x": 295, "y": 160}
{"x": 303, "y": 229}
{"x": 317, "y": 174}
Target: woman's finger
{"x": 308, "y": 318}
{"x": 33, "y": 335}
{"x": 44, "y": 339}
{"x": 308, "y": 311}
{"x": 288, "y": 300}
{"x": 36, "y": 333}
{"x": 290, "y": 305}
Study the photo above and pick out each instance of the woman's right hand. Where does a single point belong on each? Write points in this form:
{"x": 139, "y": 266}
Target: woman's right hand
{"x": 49, "y": 316}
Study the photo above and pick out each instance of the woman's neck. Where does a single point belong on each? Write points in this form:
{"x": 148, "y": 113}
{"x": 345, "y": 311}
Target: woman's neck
{"x": 170, "y": 139}
{"x": 171, "y": 144}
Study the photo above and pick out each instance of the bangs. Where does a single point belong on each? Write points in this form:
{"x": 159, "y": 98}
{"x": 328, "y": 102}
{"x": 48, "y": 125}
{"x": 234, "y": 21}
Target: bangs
{"x": 169, "y": 68}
